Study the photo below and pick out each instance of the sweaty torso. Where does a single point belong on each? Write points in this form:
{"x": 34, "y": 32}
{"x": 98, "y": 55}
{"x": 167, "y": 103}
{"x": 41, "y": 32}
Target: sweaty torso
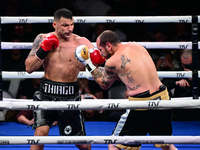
{"x": 136, "y": 69}
{"x": 60, "y": 64}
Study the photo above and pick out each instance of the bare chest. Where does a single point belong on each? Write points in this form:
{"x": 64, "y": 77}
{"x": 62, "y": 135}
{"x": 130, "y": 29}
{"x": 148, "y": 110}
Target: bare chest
{"x": 63, "y": 53}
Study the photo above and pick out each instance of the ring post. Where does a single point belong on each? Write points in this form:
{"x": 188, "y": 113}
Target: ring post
{"x": 195, "y": 59}
{"x": 1, "y": 87}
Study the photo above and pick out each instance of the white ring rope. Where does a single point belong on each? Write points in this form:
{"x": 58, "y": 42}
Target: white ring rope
{"x": 148, "y": 45}
{"x": 100, "y": 104}
{"x": 83, "y": 74}
{"x": 102, "y": 19}
{"x": 41, "y": 140}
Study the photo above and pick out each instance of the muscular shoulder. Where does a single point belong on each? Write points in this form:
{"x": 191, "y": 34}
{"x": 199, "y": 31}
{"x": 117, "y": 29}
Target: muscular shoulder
{"x": 133, "y": 45}
{"x": 39, "y": 37}
{"x": 112, "y": 61}
{"x": 118, "y": 59}
{"x": 83, "y": 41}
{"x": 42, "y": 35}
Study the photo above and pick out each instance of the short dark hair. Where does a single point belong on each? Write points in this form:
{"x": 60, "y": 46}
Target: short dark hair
{"x": 109, "y": 36}
{"x": 63, "y": 12}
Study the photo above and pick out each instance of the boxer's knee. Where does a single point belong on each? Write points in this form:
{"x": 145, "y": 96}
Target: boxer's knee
{"x": 42, "y": 131}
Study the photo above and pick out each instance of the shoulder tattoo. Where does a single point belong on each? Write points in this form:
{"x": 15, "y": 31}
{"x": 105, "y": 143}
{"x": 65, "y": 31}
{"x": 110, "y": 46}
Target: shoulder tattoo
{"x": 36, "y": 45}
{"x": 124, "y": 61}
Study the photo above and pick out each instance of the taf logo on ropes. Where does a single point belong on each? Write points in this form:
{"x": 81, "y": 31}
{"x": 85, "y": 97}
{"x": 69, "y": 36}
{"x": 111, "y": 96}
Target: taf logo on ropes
{"x": 21, "y": 73}
{"x": 109, "y": 141}
{"x": 4, "y": 142}
{"x": 183, "y": 46}
{"x": 81, "y": 20}
{"x": 32, "y": 141}
{"x": 23, "y": 20}
{"x": 50, "y": 20}
{"x": 33, "y": 106}
{"x": 183, "y": 21}
{"x": 110, "y": 21}
{"x": 180, "y": 74}
{"x": 139, "y": 21}
{"x": 72, "y": 106}
{"x": 153, "y": 103}
{"x": 113, "y": 105}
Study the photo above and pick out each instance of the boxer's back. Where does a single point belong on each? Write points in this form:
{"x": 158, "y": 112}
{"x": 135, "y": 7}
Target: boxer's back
{"x": 136, "y": 69}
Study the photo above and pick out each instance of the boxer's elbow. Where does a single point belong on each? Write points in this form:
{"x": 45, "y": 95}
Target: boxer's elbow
{"x": 104, "y": 86}
{"x": 29, "y": 68}
{"x": 32, "y": 64}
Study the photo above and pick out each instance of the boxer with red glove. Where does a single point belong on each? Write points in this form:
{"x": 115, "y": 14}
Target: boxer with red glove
{"x": 89, "y": 58}
{"x": 50, "y": 41}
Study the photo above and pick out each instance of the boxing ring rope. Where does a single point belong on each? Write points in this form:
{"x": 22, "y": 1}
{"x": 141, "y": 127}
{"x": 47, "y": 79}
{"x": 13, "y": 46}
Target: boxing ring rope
{"x": 148, "y": 45}
{"x": 40, "y": 140}
{"x": 83, "y": 74}
{"x": 102, "y": 104}
{"x": 102, "y": 19}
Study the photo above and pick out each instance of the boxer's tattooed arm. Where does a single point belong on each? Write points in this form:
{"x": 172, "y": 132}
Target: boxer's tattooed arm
{"x": 109, "y": 72}
{"x": 131, "y": 82}
{"x": 97, "y": 74}
{"x": 106, "y": 75}
{"x": 124, "y": 61}
{"x": 36, "y": 45}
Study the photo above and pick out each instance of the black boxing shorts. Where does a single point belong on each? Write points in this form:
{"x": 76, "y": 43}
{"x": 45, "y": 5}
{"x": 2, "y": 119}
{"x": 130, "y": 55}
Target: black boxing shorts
{"x": 139, "y": 122}
{"x": 69, "y": 122}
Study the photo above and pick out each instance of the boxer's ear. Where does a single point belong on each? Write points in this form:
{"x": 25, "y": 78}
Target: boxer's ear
{"x": 54, "y": 24}
{"x": 108, "y": 46}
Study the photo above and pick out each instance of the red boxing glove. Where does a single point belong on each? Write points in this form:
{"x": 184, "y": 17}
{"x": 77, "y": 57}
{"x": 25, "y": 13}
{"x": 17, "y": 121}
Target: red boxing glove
{"x": 96, "y": 57}
{"x": 50, "y": 41}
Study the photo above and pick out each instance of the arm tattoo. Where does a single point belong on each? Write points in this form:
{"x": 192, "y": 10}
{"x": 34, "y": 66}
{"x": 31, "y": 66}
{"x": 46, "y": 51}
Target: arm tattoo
{"x": 124, "y": 61}
{"x": 97, "y": 74}
{"x": 109, "y": 72}
{"x": 36, "y": 45}
{"x": 131, "y": 83}
{"x": 105, "y": 81}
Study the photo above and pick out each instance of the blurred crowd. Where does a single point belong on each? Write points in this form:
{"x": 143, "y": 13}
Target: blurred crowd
{"x": 164, "y": 59}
